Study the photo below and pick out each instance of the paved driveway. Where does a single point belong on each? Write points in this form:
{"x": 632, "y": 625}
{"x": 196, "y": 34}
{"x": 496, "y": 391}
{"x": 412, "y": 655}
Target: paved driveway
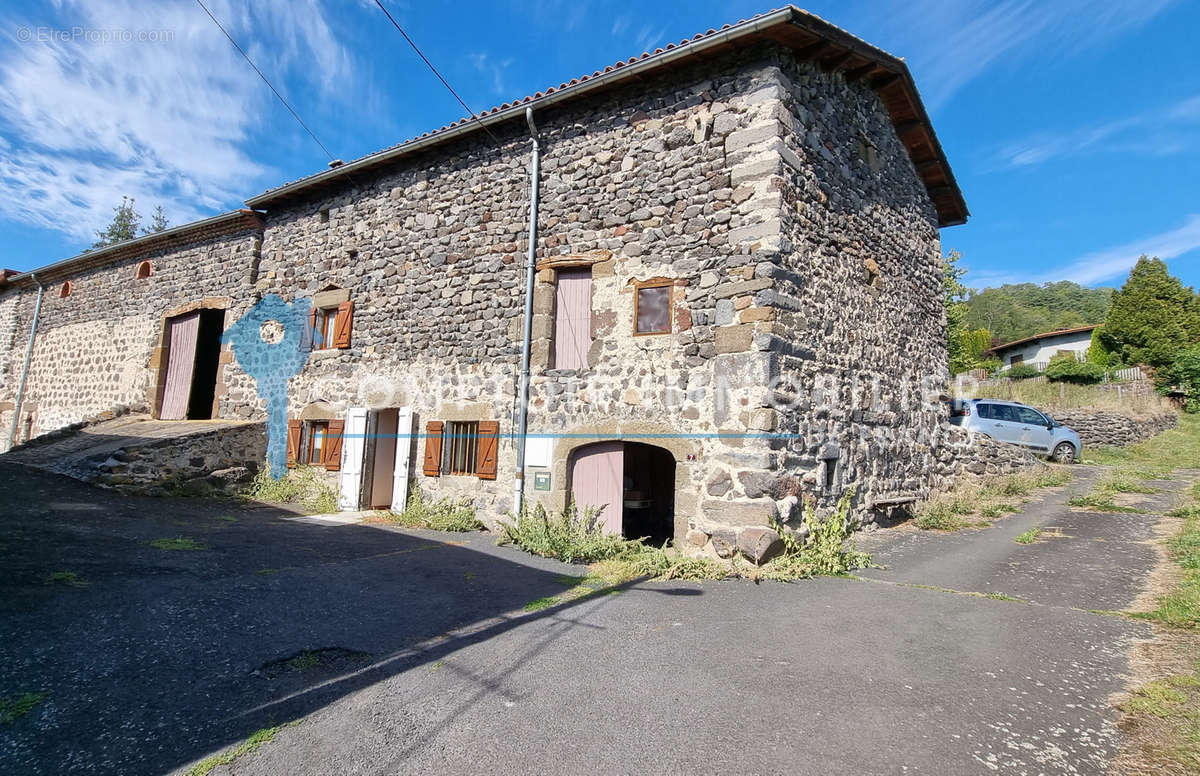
{"x": 410, "y": 652}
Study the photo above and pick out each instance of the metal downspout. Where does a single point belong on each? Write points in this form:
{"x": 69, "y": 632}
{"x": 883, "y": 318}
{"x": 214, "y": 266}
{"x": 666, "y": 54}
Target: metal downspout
{"x": 535, "y": 167}
{"x": 37, "y": 311}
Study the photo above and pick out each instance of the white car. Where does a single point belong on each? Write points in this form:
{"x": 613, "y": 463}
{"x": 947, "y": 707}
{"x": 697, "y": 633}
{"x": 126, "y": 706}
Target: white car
{"x": 1020, "y": 424}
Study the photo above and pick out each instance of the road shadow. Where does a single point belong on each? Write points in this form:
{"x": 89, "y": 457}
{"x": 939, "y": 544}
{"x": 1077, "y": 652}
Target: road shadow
{"x": 151, "y": 656}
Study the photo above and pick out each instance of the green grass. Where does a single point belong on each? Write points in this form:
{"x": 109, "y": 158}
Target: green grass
{"x": 1028, "y": 537}
{"x": 1100, "y": 503}
{"x": 1062, "y": 396}
{"x": 1157, "y": 698}
{"x": 13, "y": 708}
{"x": 304, "y": 661}
{"x": 179, "y": 543}
{"x": 440, "y": 515}
{"x": 68, "y": 578}
{"x": 298, "y": 486}
{"x": 541, "y": 603}
{"x": 975, "y": 504}
{"x": 267, "y": 571}
{"x": 256, "y": 740}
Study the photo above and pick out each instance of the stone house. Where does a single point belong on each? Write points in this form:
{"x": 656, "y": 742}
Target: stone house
{"x": 737, "y": 303}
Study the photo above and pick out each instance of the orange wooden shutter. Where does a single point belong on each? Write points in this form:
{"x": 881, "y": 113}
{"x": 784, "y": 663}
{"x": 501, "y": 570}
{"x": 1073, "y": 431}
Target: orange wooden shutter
{"x": 293, "y": 442}
{"x": 331, "y": 453}
{"x": 488, "y": 450}
{"x": 308, "y": 338}
{"x": 343, "y": 324}
{"x": 433, "y": 448}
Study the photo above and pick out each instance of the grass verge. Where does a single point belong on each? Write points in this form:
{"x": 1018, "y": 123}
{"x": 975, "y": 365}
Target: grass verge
{"x": 440, "y": 515}
{"x": 68, "y": 578}
{"x": 298, "y": 486}
{"x": 975, "y": 504}
{"x": 204, "y": 767}
{"x": 12, "y": 709}
{"x": 178, "y": 543}
{"x": 826, "y": 550}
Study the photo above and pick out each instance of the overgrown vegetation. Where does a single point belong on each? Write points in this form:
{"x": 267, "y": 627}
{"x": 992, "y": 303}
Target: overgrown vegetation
{"x": 68, "y": 578}
{"x": 568, "y": 536}
{"x": 1028, "y": 537}
{"x": 975, "y": 504}
{"x": 299, "y": 486}
{"x": 1065, "y": 368}
{"x": 1153, "y": 316}
{"x": 440, "y": 515}
{"x": 1017, "y": 310}
{"x": 259, "y": 738}
{"x": 179, "y": 543}
{"x": 1053, "y": 397}
{"x": 13, "y": 708}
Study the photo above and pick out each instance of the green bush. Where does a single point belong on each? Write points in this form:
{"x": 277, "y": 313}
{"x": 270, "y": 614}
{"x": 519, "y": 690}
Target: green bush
{"x": 299, "y": 486}
{"x": 1183, "y": 372}
{"x": 567, "y": 536}
{"x": 1021, "y": 372}
{"x": 1064, "y": 368}
{"x": 440, "y": 515}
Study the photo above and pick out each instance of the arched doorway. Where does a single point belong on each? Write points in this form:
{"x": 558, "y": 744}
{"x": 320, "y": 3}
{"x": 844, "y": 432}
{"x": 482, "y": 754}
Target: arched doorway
{"x": 632, "y": 483}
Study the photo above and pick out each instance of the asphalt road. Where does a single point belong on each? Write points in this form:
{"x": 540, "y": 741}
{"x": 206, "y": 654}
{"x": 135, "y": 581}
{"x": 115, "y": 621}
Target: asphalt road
{"x": 411, "y": 652}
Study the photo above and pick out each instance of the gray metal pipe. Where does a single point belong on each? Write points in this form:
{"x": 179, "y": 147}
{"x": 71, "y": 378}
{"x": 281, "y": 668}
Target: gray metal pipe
{"x": 535, "y": 170}
{"x": 37, "y": 312}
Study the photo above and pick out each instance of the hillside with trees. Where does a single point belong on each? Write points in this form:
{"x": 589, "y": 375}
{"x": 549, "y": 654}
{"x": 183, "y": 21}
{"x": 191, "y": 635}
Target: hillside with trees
{"x": 1017, "y": 310}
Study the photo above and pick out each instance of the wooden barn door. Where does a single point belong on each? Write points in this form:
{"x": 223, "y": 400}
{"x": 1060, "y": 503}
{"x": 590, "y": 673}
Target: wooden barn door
{"x": 597, "y": 480}
{"x": 182, "y": 334}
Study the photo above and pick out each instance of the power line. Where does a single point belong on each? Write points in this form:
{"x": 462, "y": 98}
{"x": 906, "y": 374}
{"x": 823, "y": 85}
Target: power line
{"x": 425, "y": 59}
{"x": 266, "y": 81}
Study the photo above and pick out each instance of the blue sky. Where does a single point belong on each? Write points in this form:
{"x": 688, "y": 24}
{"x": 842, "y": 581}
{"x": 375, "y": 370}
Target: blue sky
{"x": 1073, "y": 125}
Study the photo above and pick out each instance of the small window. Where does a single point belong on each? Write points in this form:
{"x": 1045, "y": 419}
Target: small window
{"x": 462, "y": 440}
{"x": 65, "y": 291}
{"x": 652, "y": 308}
{"x": 1016, "y": 359}
{"x": 144, "y": 270}
{"x": 318, "y": 431}
{"x": 331, "y": 326}
{"x": 1030, "y": 416}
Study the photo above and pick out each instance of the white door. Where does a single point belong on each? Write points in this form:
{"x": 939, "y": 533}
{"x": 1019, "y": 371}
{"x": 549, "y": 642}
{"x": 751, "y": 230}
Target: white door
{"x": 404, "y": 424}
{"x": 354, "y": 435}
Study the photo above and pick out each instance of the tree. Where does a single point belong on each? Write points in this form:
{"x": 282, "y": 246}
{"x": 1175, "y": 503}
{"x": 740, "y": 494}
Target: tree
{"x": 1152, "y": 318}
{"x": 158, "y": 222}
{"x": 124, "y": 225}
{"x": 1183, "y": 372}
{"x": 1014, "y": 311}
{"x": 1065, "y": 368}
{"x": 1099, "y": 355}
{"x": 958, "y": 334}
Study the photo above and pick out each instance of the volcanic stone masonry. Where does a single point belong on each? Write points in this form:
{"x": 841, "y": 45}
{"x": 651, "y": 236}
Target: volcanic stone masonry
{"x": 773, "y": 198}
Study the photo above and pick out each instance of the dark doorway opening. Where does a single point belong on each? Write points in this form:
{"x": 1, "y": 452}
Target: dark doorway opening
{"x": 208, "y": 357}
{"x": 649, "y": 493}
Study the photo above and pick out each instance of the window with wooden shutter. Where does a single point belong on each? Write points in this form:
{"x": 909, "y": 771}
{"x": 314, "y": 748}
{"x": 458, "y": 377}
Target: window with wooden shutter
{"x": 572, "y": 318}
{"x": 343, "y": 324}
{"x": 293, "y": 442}
{"x": 331, "y": 452}
{"x": 308, "y": 336}
{"x": 433, "y": 448}
{"x": 489, "y": 449}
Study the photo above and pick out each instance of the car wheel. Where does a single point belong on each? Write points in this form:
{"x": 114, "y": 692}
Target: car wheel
{"x": 1064, "y": 453}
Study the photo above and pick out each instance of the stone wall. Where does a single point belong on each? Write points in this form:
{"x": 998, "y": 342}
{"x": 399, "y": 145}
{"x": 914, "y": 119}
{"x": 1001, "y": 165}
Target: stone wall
{"x": 960, "y": 454}
{"x": 100, "y": 347}
{"x": 182, "y": 459}
{"x": 1114, "y": 428}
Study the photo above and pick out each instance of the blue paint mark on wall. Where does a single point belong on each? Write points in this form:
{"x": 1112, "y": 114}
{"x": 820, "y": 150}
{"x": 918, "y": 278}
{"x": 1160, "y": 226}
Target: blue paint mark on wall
{"x": 271, "y": 364}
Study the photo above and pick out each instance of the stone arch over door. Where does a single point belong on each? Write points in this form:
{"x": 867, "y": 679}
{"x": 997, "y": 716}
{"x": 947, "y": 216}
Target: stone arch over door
{"x": 159, "y": 356}
{"x": 684, "y": 452}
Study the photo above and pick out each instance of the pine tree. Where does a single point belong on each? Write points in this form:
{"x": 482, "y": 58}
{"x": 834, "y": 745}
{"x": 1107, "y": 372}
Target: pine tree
{"x": 1153, "y": 316}
{"x": 124, "y": 225}
{"x": 158, "y": 222}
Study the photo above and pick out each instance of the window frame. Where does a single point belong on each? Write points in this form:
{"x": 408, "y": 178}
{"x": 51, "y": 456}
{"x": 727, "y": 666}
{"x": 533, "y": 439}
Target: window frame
{"x": 667, "y": 283}
{"x": 326, "y": 326}
{"x": 307, "y": 444}
{"x": 460, "y": 441}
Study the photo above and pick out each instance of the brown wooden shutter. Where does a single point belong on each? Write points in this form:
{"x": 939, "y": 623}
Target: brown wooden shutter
{"x": 309, "y": 336}
{"x": 488, "y": 450}
{"x": 293, "y": 442}
{"x": 343, "y": 324}
{"x": 331, "y": 452}
{"x": 433, "y": 448}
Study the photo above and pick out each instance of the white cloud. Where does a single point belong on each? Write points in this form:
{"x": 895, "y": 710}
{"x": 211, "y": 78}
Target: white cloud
{"x": 1157, "y": 132}
{"x": 1115, "y": 262}
{"x": 169, "y": 121}
{"x": 948, "y": 45}
{"x": 494, "y": 70}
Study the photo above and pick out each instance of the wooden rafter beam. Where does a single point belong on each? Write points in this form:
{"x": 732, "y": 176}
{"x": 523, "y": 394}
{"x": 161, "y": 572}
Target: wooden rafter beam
{"x": 928, "y": 165}
{"x": 811, "y": 50}
{"x": 884, "y": 81}
{"x": 860, "y": 72}
{"x": 904, "y": 128}
{"x": 836, "y": 61}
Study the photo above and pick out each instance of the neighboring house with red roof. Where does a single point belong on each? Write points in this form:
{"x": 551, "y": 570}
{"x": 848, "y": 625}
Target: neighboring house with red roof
{"x": 1037, "y": 350}
{"x": 737, "y": 304}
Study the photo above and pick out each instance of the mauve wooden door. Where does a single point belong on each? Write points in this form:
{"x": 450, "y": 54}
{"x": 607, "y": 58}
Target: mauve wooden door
{"x": 181, "y": 361}
{"x": 598, "y": 480}
{"x": 572, "y": 318}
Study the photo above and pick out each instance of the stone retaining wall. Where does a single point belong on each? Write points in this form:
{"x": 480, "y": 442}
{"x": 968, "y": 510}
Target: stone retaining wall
{"x": 1113, "y": 428}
